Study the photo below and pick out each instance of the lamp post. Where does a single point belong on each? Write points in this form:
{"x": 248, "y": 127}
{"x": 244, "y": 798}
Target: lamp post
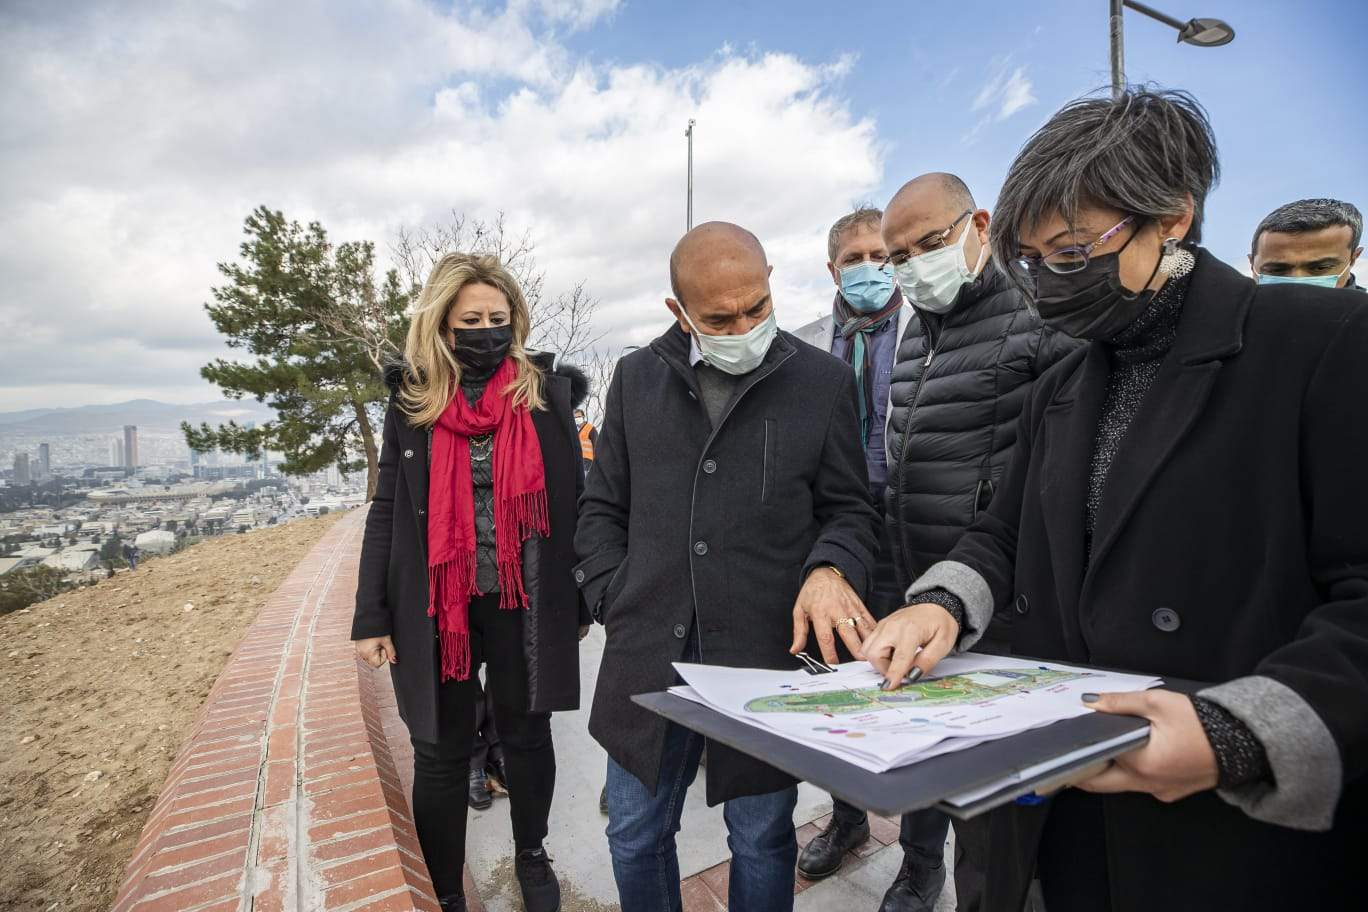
{"x": 688, "y": 212}
{"x": 1198, "y": 32}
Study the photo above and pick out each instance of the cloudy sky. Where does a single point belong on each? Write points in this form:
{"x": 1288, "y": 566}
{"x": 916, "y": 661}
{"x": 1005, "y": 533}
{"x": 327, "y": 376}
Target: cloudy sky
{"x": 138, "y": 135}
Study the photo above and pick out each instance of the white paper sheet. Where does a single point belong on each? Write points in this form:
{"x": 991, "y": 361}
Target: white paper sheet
{"x": 970, "y": 699}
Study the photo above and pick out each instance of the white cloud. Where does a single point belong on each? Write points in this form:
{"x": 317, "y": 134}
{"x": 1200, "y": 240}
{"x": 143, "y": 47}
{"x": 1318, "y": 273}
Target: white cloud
{"x": 139, "y": 136}
{"x": 1007, "y": 91}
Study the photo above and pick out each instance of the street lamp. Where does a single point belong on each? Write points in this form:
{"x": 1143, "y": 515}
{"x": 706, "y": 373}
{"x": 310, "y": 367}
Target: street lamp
{"x": 1199, "y": 32}
{"x": 688, "y": 216}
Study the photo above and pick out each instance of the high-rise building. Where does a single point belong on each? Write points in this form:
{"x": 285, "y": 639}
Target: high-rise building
{"x": 116, "y": 456}
{"x": 45, "y": 460}
{"x": 21, "y": 469}
{"x": 130, "y": 446}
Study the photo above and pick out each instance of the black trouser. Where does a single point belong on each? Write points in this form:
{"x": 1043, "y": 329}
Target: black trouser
{"x": 441, "y": 771}
{"x": 486, "y": 749}
{"x": 922, "y": 833}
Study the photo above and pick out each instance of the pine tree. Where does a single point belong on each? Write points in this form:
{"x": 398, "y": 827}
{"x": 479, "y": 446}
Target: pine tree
{"x": 318, "y": 328}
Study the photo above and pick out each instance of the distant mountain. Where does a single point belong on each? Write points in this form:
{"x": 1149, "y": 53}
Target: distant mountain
{"x": 147, "y": 414}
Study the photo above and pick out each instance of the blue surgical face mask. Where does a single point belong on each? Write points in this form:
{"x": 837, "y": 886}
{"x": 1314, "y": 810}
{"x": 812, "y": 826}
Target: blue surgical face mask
{"x": 867, "y": 287}
{"x": 1329, "y": 281}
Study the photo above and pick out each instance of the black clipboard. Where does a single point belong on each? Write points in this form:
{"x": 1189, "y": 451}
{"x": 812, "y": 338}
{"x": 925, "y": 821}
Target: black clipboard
{"x": 928, "y": 783}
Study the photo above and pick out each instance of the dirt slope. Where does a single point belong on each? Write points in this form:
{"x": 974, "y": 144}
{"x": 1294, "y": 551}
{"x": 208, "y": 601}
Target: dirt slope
{"x": 98, "y": 688}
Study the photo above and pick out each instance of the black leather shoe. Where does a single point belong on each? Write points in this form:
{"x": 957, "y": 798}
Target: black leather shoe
{"x": 917, "y": 887}
{"x": 603, "y": 801}
{"x": 823, "y": 856}
{"x": 455, "y": 903}
{"x": 540, "y": 889}
{"x": 480, "y": 799}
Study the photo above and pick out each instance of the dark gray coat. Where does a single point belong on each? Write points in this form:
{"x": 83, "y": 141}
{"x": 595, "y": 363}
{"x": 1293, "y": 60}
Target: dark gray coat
{"x": 392, "y": 592}
{"x": 683, "y": 525}
{"x": 958, "y": 385}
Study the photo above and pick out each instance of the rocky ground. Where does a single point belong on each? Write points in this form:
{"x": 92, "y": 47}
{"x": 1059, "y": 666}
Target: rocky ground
{"x": 98, "y": 688}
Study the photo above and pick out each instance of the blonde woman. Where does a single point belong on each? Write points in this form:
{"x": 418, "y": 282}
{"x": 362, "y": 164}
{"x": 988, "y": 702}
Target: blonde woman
{"x": 467, "y": 560}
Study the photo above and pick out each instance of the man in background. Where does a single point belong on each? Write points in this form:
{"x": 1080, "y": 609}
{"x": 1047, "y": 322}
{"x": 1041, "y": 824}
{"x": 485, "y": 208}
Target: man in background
{"x": 588, "y": 437}
{"x": 1312, "y": 241}
{"x": 867, "y": 319}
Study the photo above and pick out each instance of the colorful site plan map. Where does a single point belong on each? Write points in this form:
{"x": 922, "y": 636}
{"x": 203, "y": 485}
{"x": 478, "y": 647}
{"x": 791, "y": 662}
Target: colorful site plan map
{"x": 974, "y": 687}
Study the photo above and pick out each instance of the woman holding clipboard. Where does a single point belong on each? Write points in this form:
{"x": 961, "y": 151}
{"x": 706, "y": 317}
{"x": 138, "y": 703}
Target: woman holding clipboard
{"x": 1186, "y": 500}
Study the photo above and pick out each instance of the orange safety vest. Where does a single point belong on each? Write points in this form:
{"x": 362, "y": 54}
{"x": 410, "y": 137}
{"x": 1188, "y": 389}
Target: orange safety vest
{"x": 586, "y": 445}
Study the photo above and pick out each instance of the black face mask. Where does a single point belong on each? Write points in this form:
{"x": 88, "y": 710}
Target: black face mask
{"x": 1091, "y": 303}
{"x": 481, "y": 351}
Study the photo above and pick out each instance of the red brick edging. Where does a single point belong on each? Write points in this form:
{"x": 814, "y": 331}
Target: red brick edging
{"x": 285, "y": 795}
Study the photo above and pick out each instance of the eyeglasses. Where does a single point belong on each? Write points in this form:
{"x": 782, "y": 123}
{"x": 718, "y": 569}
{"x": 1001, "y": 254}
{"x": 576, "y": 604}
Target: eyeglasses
{"x": 931, "y": 242}
{"x": 1069, "y": 259}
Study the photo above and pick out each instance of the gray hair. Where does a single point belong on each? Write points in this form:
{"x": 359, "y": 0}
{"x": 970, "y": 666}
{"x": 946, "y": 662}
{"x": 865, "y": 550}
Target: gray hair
{"x": 1311, "y": 215}
{"x": 1143, "y": 153}
{"x": 864, "y": 215}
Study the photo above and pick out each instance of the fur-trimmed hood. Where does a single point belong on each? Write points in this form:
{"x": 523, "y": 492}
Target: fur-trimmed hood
{"x": 549, "y": 363}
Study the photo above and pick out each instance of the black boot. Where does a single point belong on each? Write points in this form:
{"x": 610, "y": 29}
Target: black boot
{"x": 917, "y": 887}
{"x": 540, "y": 889}
{"x": 480, "y": 799}
{"x": 823, "y": 856}
{"x": 453, "y": 903}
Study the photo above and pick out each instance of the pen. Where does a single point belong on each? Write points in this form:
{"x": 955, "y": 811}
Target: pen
{"x": 912, "y": 678}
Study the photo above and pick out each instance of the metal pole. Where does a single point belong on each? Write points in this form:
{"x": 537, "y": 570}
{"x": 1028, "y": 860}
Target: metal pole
{"x": 688, "y": 217}
{"x": 1118, "y": 51}
{"x": 1156, "y": 15}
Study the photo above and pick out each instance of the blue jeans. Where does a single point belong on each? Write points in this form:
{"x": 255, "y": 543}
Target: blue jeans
{"x": 642, "y": 828}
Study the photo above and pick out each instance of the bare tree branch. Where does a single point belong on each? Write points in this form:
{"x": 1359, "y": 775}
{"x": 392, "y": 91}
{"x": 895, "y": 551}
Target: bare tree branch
{"x": 562, "y": 324}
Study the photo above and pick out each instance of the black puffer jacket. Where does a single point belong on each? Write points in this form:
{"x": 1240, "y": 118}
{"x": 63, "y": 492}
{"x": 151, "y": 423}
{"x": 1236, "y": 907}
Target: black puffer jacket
{"x": 959, "y": 382}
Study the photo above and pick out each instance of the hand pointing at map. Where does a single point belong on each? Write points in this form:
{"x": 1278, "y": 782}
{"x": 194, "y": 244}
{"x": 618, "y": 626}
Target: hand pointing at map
{"x": 917, "y": 636}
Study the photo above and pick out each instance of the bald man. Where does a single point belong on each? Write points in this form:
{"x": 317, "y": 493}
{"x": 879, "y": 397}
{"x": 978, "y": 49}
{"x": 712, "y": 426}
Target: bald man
{"x": 963, "y": 369}
{"x": 727, "y": 517}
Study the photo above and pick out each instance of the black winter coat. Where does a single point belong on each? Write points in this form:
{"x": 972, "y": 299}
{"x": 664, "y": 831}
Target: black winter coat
{"x": 959, "y": 382}
{"x": 686, "y": 526}
{"x": 392, "y": 593}
{"x": 1232, "y": 540}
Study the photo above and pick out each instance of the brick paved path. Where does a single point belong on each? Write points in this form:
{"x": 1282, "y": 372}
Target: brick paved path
{"x": 291, "y": 793}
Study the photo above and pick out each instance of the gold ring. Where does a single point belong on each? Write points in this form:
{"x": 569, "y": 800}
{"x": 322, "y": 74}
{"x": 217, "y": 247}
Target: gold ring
{"x": 852, "y": 623}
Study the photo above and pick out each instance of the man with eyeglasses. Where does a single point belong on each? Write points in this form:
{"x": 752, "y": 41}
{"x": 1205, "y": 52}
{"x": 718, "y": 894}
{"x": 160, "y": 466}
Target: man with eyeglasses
{"x": 963, "y": 369}
{"x": 1311, "y": 241}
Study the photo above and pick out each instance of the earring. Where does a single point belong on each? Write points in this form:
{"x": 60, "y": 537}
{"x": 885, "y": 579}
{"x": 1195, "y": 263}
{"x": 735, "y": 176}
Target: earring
{"x": 1176, "y": 261}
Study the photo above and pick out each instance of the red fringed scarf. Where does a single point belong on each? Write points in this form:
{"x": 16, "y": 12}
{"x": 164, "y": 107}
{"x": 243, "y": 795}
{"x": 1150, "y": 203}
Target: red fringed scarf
{"x": 519, "y": 510}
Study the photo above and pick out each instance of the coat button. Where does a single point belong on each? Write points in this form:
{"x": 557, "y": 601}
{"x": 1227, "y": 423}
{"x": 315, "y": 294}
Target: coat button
{"x": 1023, "y": 604}
{"x": 422, "y": 511}
{"x": 1166, "y": 619}
{"x": 709, "y": 466}
{"x": 701, "y": 548}
{"x": 408, "y": 454}
{"x": 679, "y": 631}
{"x": 579, "y": 576}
